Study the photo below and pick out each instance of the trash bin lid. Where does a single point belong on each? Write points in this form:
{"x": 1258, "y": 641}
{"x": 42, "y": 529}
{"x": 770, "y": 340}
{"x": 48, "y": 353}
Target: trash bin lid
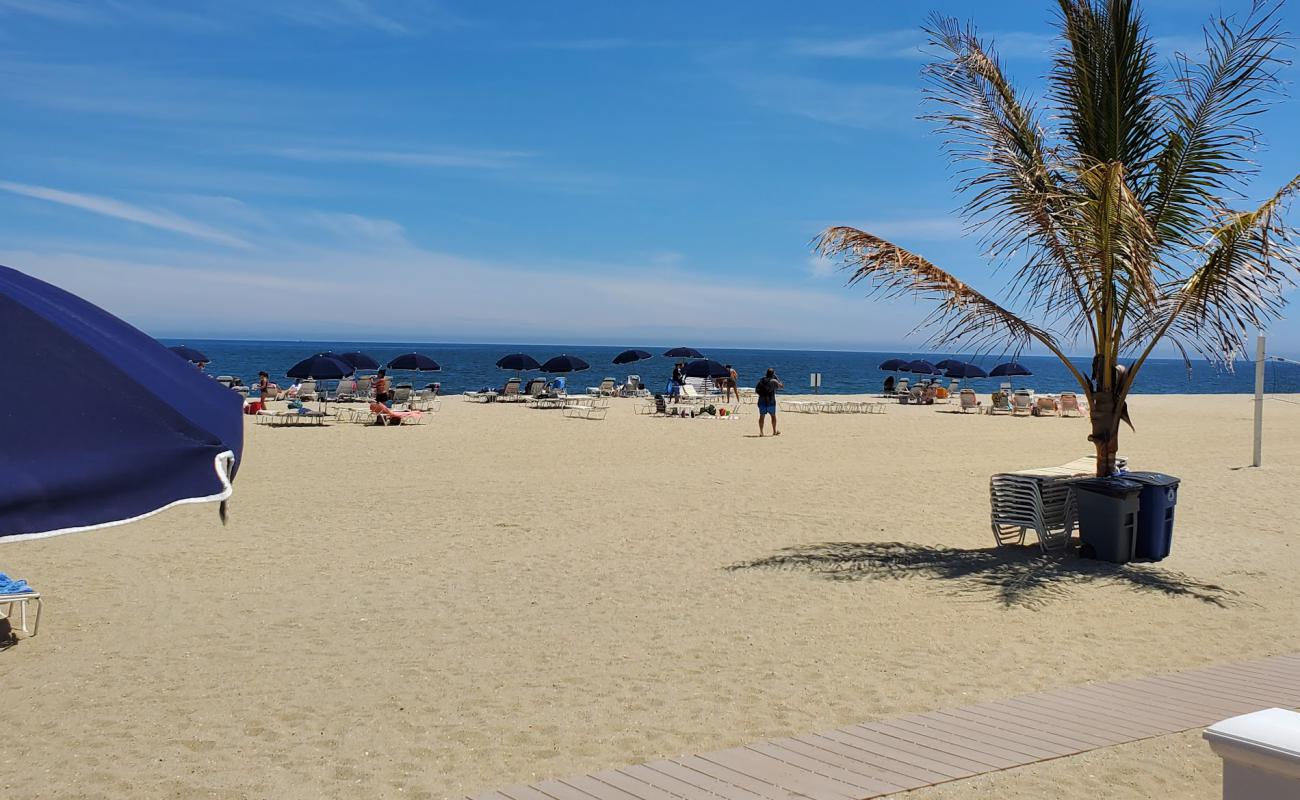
{"x": 1153, "y": 478}
{"x": 1114, "y": 486}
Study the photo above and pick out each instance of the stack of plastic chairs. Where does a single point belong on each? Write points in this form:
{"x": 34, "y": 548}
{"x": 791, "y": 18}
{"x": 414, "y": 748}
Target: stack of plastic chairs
{"x": 1040, "y": 500}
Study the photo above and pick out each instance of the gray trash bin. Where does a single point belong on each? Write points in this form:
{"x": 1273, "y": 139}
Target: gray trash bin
{"x": 1108, "y": 517}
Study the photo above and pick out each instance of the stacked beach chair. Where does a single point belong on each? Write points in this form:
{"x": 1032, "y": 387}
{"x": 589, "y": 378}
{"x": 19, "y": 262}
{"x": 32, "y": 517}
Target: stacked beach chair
{"x": 1041, "y": 500}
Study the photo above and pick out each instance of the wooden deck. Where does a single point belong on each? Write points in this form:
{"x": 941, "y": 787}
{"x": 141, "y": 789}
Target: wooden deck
{"x": 895, "y": 755}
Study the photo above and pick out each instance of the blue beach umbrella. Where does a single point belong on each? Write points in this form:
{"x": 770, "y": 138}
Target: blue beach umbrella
{"x": 948, "y": 363}
{"x": 920, "y": 367}
{"x": 631, "y": 356}
{"x": 359, "y": 360}
{"x": 189, "y": 354}
{"x": 518, "y": 362}
{"x": 961, "y": 369}
{"x": 1008, "y": 369}
{"x": 321, "y": 367}
{"x": 683, "y": 352}
{"x": 565, "y": 364}
{"x": 414, "y": 362}
{"x": 706, "y": 368}
{"x": 157, "y": 433}
{"x": 893, "y": 365}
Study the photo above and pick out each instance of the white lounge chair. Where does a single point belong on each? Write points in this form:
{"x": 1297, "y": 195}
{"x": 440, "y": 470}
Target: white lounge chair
{"x": 1022, "y": 405}
{"x": 969, "y": 402}
{"x": 1070, "y": 404}
{"x": 586, "y": 408}
{"x": 606, "y": 388}
{"x": 21, "y": 599}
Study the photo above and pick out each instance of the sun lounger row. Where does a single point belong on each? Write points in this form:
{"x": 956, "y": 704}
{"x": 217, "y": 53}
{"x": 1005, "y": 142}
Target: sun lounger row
{"x": 290, "y": 417}
{"x": 1024, "y": 404}
{"x": 1040, "y": 500}
{"x": 832, "y": 406}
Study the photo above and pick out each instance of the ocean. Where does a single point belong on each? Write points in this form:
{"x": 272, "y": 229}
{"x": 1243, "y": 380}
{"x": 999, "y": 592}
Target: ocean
{"x": 472, "y": 366}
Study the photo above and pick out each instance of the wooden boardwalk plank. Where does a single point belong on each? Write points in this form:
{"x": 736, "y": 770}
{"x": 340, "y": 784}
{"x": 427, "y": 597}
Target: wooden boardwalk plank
{"x": 858, "y": 762}
{"x": 826, "y": 750}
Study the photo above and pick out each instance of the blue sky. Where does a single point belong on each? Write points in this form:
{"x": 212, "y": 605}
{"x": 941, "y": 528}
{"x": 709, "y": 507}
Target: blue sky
{"x": 585, "y": 172}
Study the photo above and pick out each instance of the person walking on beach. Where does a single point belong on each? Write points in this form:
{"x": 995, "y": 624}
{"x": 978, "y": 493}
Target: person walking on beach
{"x": 767, "y": 388}
{"x": 677, "y": 382}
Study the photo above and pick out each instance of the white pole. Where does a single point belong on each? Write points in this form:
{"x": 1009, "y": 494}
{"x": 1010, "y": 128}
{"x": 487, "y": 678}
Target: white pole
{"x": 1259, "y": 401}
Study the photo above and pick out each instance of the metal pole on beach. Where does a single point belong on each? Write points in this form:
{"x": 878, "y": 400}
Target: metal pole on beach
{"x": 1259, "y": 401}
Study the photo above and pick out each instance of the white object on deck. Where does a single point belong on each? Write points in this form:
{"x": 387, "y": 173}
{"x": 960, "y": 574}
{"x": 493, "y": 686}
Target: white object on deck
{"x": 1261, "y": 754}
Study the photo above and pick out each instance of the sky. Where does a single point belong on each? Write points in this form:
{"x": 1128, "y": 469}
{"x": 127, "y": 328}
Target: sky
{"x": 514, "y": 171}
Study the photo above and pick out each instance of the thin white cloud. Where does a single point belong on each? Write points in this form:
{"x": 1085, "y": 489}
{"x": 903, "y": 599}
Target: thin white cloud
{"x": 469, "y": 159}
{"x": 821, "y": 266}
{"x": 854, "y": 105}
{"x": 912, "y": 44}
{"x": 118, "y": 209}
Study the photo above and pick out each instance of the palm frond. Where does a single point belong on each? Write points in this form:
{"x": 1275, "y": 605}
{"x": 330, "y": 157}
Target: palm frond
{"x": 1251, "y": 259}
{"x": 1107, "y": 86}
{"x": 963, "y": 315}
{"x": 1016, "y": 190}
{"x": 1209, "y": 144}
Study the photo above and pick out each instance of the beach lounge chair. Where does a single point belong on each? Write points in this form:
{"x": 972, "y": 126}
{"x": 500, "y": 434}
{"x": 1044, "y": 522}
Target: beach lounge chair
{"x": 969, "y": 402}
{"x": 18, "y": 593}
{"x": 383, "y": 415}
{"x": 1045, "y": 407}
{"x": 607, "y": 388}
{"x": 1022, "y": 405}
{"x": 362, "y": 390}
{"x": 1001, "y": 403}
{"x": 306, "y": 390}
{"x": 510, "y": 391}
{"x": 1070, "y": 404}
{"x": 402, "y": 394}
{"x": 587, "y": 408}
{"x": 901, "y": 388}
{"x": 534, "y": 387}
{"x": 344, "y": 391}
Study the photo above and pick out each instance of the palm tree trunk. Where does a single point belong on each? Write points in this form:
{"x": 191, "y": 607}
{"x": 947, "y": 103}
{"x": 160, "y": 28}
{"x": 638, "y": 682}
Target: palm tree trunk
{"x": 1105, "y": 415}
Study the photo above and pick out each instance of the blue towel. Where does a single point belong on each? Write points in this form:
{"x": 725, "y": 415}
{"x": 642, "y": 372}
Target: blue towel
{"x": 13, "y": 585}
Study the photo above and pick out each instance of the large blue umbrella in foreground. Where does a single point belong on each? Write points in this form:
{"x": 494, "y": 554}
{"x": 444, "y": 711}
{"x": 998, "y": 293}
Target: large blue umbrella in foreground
{"x": 920, "y": 367}
{"x": 961, "y": 369}
{"x": 706, "y": 368}
{"x": 359, "y": 360}
{"x": 518, "y": 362}
{"x": 157, "y": 432}
{"x": 565, "y": 364}
{"x": 631, "y": 356}
{"x": 1008, "y": 369}
{"x": 414, "y": 362}
{"x": 683, "y": 352}
{"x": 893, "y": 365}
{"x": 189, "y": 354}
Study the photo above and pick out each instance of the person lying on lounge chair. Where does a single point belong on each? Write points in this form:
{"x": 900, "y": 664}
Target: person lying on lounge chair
{"x": 387, "y": 416}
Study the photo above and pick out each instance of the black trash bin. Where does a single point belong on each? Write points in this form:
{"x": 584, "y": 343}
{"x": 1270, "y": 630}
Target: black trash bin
{"x": 1155, "y": 531}
{"x": 1108, "y": 514}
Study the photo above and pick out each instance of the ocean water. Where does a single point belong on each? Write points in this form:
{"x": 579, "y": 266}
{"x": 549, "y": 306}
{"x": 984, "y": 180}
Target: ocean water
{"x": 472, "y": 366}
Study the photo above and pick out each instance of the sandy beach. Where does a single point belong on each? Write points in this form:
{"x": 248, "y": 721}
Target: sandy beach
{"x": 504, "y": 595}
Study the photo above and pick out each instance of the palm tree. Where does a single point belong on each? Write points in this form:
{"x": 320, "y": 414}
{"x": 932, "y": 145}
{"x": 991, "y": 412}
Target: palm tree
{"x": 1113, "y": 220}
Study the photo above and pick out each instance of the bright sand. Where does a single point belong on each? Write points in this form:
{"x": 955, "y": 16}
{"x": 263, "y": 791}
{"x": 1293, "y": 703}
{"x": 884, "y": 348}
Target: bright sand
{"x": 506, "y": 595}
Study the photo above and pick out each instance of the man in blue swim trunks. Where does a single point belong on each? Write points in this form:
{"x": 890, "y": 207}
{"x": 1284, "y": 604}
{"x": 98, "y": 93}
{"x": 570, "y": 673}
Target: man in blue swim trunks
{"x": 766, "y": 389}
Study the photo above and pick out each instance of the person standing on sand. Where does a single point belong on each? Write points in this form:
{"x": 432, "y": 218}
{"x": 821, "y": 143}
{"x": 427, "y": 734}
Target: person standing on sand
{"x": 767, "y": 388}
{"x": 678, "y": 380}
{"x": 731, "y": 385}
{"x": 380, "y": 385}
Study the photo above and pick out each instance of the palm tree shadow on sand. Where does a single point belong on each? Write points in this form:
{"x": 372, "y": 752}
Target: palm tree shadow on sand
{"x": 1016, "y": 576}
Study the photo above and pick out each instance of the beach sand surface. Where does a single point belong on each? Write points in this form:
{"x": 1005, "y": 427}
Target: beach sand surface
{"x": 506, "y": 595}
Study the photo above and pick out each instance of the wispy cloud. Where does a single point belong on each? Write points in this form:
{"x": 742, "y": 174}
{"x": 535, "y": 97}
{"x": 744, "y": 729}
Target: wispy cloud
{"x": 470, "y": 159}
{"x": 393, "y": 17}
{"x": 912, "y": 44}
{"x": 118, "y": 209}
{"x": 820, "y": 267}
{"x": 606, "y": 43}
{"x": 854, "y": 105}
{"x": 917, "y": 229}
